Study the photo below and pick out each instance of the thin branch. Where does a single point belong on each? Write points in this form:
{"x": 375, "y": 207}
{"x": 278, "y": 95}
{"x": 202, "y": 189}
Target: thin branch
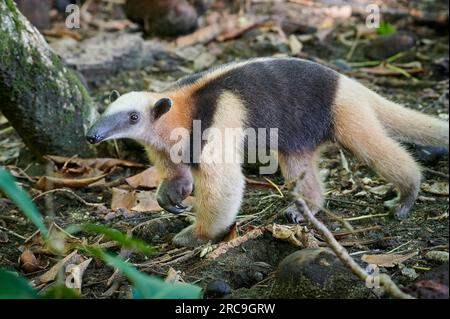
{"x": 385, "y": 281}
{"x": 432, "y": 171}
{"x": 12, "y": 233}
{"x": 64, "y": 190}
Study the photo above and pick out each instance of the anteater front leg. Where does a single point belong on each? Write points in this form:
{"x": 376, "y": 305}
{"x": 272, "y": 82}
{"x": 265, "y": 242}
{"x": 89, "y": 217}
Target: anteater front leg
{"x": 218, "y": 194}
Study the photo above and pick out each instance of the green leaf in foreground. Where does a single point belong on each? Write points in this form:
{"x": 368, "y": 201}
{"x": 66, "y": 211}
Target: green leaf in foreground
{"x": 113, "y": 234}
{"x": 21, "y": 199}
{"x": 13, "y": 286}
{"x": 147, "y": 287}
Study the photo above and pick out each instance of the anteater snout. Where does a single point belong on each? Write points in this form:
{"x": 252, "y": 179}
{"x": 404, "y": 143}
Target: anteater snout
{"x": 93, "y": 139}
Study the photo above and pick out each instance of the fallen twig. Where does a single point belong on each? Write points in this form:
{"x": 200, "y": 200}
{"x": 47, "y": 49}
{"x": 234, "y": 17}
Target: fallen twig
{"x": 12, "y": 233}
{"x": 359, "y": 230}
{"x": 385, "y": 281}
{"x": 431, "y": 171}
{"x": 115, "y": 281}
{"x": 224, "y": 247}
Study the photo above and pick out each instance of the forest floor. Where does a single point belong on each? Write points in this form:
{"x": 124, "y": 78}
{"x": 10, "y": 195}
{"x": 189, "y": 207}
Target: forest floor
{"x": 417, "y": 79}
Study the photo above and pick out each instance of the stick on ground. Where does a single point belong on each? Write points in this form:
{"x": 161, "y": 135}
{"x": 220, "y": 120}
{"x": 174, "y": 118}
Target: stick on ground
{"x": 385, "y": 281}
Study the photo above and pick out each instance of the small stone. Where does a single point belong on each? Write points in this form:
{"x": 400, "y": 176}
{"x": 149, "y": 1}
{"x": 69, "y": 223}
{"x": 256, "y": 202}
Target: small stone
{"x": 430, "y": 154}
{"x": 386, "y": 46}
{"x": 204, "y": 61}
{"x": 217, "y": 289}
{"x": 316, "y": 273}
{"x": 437, "y": 256}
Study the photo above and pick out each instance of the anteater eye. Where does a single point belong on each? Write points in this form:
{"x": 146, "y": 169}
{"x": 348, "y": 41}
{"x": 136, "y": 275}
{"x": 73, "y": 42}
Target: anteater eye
{"x": 134, "y": 117}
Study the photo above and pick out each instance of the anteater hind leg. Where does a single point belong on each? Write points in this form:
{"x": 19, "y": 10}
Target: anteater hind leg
{"x": 360, "y": 132}
{"x": 300, "y": 173}
{"x": 218, "y": 194}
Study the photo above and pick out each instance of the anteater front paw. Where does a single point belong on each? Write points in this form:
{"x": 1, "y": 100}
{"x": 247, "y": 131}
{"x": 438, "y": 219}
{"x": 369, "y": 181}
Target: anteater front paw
{"x": 172, "y": 192}
{"x": 187, "y": 238}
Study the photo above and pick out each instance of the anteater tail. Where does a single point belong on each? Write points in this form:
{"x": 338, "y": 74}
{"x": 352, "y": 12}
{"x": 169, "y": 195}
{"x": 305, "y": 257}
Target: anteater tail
{"x": 410, "y": 126}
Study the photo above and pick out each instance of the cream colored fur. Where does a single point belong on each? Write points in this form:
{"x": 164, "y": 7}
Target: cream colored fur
{"x": 363, "y": 124}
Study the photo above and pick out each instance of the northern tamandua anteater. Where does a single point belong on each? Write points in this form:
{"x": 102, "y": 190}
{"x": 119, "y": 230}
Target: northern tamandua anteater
{"x": 308, "y": 103}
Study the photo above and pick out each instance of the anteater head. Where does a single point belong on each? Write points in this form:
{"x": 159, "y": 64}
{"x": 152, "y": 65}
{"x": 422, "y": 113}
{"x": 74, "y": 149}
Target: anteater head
{"x": 131, "y": 115}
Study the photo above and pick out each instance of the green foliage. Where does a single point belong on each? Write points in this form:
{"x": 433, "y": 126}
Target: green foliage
{"x": 386, "y": 28}
{"x": 113, "y": 234}
{"x": 13, "y": 286}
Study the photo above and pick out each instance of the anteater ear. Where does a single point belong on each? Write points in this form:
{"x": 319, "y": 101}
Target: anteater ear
{"x": 114, "y": 95}
{"x": 161, "y": 107}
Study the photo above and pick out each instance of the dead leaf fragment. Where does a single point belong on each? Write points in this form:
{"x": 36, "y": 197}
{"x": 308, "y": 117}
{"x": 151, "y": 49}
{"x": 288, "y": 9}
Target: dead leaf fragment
{"x": 139, "y": 201}
{"x": 59, "y": 239}
{"x": 438, "y": 188}
{"x": 232, "y": 234}
{"x": 202, "y": 35}
{"x": 83, "y": 164}
{"x": 74, "y": 274}
{"x": 295, "y": 45}
{"x": 173, "y": 276}
{"x": 28, "y": 261}
{"x": 150, "y": 178}
{"x": 387, "y": 260}
{"x": 134, "y": 200}
{"x": 380, "y": 190}
{"x": 387, "y": 70}
{"x": 297, "y": 235}
{"x": 223, "y": 247}
{"x": 50, "y": 275}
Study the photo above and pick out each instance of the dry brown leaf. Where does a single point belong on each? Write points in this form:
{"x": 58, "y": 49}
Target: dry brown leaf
{"x": 139, "y": 201}
{"x": 380, "y": 190}
{"x": 145, "y": 201}
{"x": 232, "y": 234}
{"x": 284, "y": 232}
{"x": 150, "y": 178}
{"x": 103, "y": 164}
{"x": 134, "y": 200}
{"x": 235, "y": 26}
{"x": 62, "y": 241}
{"x": 46, "y": 183}
{"x": 387, "y": 260}
{"x": 202, "y": 35}
{"x": 384, "y": 70}
{"x": 438, "y": 188}
{"x": 173, "y": 276}
{"x": 50, "y": 275}
{"x": 59, "y": 31}
{"x": 28, "y": 261}
{"x": 258, "y": 184}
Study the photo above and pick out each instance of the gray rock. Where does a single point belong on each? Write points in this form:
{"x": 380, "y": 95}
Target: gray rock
{"x": 316, "y": 273}
{"x": 386, "y": 46}
{"x": 105, "y": 55}
{"x": 217, "y": 289}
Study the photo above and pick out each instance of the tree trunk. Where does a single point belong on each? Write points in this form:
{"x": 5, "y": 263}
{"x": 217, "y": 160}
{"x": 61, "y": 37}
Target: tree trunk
{"x": 42, "y": 99}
